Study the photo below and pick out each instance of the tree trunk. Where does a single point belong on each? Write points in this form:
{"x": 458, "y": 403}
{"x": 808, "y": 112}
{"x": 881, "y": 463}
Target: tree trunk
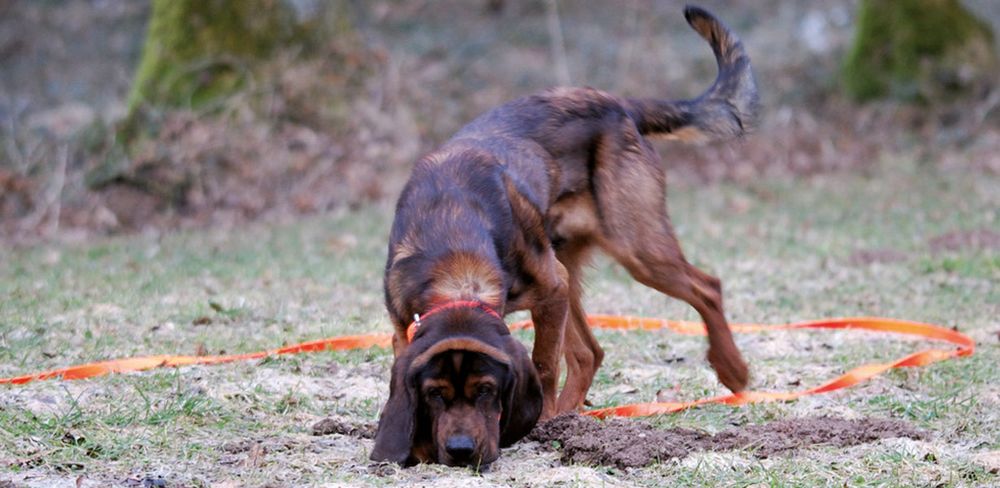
{"x": 198, "y": 50}
{"x": 918, "y": 50}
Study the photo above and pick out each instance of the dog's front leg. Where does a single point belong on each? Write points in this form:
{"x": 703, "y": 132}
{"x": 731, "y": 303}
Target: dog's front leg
{"x": 549, "y": 314}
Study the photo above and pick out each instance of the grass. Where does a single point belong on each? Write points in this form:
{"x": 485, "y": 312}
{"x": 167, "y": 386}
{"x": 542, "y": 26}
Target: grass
{"x": 783, "y": 249}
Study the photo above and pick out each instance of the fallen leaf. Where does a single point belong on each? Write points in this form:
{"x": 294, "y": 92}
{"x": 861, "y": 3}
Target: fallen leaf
{"x": 255, "y": 458}
{"x": 669, "y": 395}
{"x": 331, "y": 425}
{"x": 989, "y": 460}
{"x": 342, "y": 242}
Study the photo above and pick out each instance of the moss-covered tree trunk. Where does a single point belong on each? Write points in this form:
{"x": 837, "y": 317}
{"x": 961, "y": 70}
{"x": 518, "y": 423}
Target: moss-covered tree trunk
{"x": 918, "y": 50}
{"x": 197, "y": 50}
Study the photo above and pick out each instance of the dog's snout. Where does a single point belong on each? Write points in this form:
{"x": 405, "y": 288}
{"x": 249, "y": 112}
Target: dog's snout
{"x": 460, "y": 447}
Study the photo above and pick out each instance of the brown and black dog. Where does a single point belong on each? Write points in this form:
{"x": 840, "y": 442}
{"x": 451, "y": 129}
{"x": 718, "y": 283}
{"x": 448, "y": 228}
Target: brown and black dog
{"x": 502, "y": 218}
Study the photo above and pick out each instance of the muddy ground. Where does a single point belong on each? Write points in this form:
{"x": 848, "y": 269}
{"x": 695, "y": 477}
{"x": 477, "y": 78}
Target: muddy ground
{"x": 628, "y": 443}
{"x": 634, "y": 443}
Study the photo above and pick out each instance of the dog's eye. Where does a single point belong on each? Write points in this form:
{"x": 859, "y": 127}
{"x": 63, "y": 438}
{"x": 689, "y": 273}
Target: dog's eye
{"x": 484, "y": 391}
{"x": 434, "y": 394}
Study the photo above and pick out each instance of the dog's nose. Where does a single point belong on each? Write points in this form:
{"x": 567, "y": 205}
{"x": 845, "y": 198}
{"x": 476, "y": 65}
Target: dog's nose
{"x": 460, "y": 447}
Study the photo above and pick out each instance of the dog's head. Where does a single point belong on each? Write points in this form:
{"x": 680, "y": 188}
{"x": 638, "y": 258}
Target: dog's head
{"x": 463, "y": 389}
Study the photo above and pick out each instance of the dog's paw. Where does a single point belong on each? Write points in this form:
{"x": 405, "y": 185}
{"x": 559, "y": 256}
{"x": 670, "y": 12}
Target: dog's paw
{"x": 730, "y": 368}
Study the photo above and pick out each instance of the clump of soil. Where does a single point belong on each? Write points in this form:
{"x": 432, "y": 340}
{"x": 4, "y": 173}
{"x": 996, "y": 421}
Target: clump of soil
{"x": 616, "y": 442}
{"x": 791, "y": 434}
{"x": 625, "y": 443}
{"x": 332, "y": 425}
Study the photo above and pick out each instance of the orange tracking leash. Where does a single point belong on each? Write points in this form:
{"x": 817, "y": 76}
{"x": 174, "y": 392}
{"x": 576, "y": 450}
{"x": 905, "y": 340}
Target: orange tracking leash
{"x": 965, "y": 346}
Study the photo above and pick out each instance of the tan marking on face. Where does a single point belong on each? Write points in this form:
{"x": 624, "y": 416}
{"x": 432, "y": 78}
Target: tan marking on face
{"x": 463, "y": 276}
{"x": 445, "y": 386}
{"x": 474, "y": 382}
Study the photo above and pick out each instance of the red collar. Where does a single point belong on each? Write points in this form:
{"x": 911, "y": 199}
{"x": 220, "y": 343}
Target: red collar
{"x": 412, "y": 329}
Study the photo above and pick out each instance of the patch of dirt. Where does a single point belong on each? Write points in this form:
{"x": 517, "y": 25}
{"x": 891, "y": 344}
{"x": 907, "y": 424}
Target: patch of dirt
{"x": 345, "y": 385}
{"x": 787, "y": 435}
{"x": 247, "y": 445}
{"x": 37, "y": 478}
{"x": 989, "y": 460}
{"x": 333, "y": 425}
{"x": 616, "y": 442}
{"x": 865, "y": 257}
{"x": 625, "y": 443}
{"x": 53, "y": 397}
{"x": 976, "y": 239}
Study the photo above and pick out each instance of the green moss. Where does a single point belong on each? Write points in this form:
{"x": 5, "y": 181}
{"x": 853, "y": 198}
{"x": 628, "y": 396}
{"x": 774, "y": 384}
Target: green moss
{"x": 915, "y": 49}
{"x": 197, "y": 50}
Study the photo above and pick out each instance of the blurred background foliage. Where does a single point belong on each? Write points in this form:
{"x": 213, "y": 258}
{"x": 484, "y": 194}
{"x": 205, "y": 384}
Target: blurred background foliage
{"x": 919, "y": 50}
{"x": 122, "y": 115}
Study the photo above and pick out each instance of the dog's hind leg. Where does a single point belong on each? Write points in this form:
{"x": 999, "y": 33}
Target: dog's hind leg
{"x": 629, "y": 188}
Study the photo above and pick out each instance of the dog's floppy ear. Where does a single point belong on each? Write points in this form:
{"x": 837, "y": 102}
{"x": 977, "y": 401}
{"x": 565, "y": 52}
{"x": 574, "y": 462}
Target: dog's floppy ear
{"x": 522, "y": 401}
{"x": 396, "y": 425}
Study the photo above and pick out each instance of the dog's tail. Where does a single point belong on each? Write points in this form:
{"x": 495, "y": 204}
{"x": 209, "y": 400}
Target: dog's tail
{"x": 727, "y": 109}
